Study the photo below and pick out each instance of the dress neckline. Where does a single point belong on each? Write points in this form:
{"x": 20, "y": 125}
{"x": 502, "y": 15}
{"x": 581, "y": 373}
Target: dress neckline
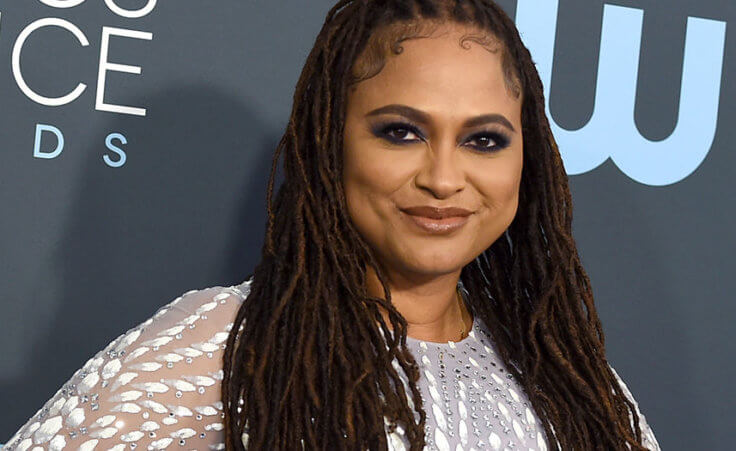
{"x": 451, "y": 343}
{"x": 244, "y": 288}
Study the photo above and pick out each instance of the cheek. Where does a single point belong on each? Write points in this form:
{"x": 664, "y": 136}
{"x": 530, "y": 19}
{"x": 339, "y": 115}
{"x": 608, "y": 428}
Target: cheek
{"x": 498, "y": 186}
{"x": 371, "y": 175}
{"x": 365, "y": 193}
{"x": 501, "y": 196}
{"x": 356, "y": 179}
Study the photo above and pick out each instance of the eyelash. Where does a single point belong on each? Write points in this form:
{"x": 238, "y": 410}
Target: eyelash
{"x": 381, "y": 131}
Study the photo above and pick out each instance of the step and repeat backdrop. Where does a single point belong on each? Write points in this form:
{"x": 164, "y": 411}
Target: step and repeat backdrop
{"x": 136, "y": 140}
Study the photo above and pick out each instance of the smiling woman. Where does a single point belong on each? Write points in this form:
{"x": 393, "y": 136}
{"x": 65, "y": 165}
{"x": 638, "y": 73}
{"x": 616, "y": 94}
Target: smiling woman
{"x": 447, "y": 140}
{"x": 419, "y": 284}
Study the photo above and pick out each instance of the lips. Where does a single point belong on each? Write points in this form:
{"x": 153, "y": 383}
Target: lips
{"x": 434, "y": 220}
{"x": 435, "y": 212}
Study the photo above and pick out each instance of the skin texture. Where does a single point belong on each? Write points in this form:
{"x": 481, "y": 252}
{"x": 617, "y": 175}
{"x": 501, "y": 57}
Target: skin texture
{"x": 444, "y": 165}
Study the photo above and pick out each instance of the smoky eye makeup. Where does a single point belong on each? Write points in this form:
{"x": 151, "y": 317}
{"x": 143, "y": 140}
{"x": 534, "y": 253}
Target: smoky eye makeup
{"x": 397, "y": 132}
{"x": 498, "y": 140}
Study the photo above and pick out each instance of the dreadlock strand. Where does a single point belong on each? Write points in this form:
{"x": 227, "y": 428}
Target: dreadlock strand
{"x": 318, "y": 320}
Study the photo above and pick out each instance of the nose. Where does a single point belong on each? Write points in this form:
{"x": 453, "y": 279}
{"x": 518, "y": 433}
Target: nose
{"x": 441, "y": 173}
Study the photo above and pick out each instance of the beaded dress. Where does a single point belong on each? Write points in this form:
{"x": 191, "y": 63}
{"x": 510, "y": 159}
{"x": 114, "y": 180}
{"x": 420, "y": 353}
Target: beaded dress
{"x": 157, "y": 386}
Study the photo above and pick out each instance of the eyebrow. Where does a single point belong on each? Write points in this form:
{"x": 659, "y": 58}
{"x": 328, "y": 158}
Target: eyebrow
{"x": 424, "y": 118}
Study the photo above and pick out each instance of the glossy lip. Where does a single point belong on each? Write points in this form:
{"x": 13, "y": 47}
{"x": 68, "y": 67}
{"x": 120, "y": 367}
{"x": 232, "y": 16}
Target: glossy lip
{"x": 436, "y": 220}
{"x": 436, "y": 212}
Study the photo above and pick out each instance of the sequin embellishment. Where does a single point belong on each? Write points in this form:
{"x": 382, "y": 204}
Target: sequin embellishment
{"x": 158, "y": 387}
{"x": 155, "y": 387}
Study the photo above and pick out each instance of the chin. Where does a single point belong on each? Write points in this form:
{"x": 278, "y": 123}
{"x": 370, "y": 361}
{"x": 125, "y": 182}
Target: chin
{"x": 434, "y": 264}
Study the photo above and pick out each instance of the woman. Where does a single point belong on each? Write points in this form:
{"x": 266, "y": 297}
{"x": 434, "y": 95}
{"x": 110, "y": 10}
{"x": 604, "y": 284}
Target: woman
{"x": 419, "y": 284}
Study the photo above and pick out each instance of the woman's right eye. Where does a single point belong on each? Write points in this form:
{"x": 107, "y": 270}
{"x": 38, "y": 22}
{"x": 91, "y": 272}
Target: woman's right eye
{"x": 397, "y": 132}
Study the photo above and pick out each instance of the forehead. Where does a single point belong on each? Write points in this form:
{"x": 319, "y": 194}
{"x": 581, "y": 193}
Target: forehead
{"x": 445, "y": 73}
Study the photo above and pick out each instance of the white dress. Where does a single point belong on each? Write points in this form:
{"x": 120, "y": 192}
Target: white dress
{"x": 157, "y": 386}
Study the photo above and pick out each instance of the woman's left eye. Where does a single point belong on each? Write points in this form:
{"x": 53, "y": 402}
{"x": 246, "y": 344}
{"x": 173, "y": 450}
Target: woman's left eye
{"x": 496, "y": 141}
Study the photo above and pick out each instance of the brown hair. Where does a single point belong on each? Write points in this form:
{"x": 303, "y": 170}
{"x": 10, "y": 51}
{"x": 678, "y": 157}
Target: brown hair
{"x": 312, "y": 368}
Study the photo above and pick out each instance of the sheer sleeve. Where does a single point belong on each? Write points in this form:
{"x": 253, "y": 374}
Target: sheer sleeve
{"x": 153, "y": 387}
{"x": 647, "y": 434}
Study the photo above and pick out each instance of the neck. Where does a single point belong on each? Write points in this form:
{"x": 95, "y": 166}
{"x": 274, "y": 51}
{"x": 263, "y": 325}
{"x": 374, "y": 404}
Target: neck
{"x": 431, "y": 307}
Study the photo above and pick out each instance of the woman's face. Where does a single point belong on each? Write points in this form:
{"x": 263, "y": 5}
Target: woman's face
{"x": 436, "y": 127}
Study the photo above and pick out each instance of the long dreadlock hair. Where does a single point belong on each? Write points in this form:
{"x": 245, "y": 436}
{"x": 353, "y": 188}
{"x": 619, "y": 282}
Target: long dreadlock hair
{"x": 312, "y": 367}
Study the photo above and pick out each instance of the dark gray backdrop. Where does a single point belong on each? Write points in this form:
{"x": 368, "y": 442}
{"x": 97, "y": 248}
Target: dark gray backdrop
{"x": 88, "y": 250}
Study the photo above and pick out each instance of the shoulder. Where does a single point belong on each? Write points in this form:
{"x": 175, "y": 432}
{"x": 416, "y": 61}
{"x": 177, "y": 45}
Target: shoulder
{"x": 157, "y": 383}
{"x": 649, "y": 439}
{"x": 204, "y": 300}
{"x": 214, "y": 307}
{"x": 194, "y": 318}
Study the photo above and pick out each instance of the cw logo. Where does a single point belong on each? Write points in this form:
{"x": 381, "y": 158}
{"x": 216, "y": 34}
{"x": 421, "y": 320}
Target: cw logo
{"x": 611, "y": 131}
